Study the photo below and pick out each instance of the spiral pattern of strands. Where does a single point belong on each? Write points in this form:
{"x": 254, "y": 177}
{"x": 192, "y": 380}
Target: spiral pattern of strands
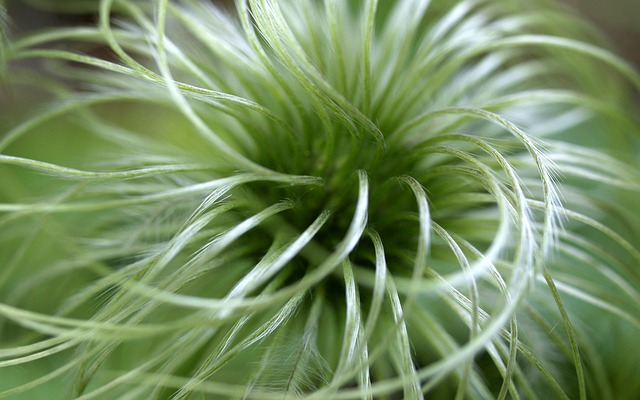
{"x": 319, "y": 199}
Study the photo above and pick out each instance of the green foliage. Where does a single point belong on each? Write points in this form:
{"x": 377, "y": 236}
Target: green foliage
{"x": 319, "y": 199}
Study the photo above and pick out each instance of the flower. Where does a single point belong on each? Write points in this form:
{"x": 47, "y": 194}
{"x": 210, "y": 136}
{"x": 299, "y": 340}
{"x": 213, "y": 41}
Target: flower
{"x": 321, "y": 199}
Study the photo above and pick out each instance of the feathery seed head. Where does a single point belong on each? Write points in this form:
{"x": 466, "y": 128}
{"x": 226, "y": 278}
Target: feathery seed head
{"x": 319, "y": 199}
